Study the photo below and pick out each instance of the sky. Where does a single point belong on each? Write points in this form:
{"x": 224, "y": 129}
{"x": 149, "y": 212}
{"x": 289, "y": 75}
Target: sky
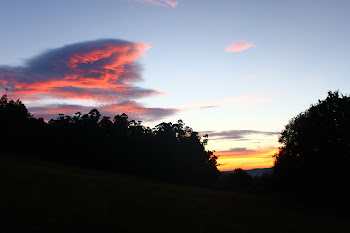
{"x": 237, "y": 70}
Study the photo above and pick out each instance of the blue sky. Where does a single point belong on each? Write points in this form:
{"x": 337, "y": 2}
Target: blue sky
{"x": 300, "y": 51}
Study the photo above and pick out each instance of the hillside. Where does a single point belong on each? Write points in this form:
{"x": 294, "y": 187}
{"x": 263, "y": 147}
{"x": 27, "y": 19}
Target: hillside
{"x": 45, "y": 197}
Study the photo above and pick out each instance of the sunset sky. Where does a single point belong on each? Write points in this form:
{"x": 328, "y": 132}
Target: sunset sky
{"x": 235, "y": 70}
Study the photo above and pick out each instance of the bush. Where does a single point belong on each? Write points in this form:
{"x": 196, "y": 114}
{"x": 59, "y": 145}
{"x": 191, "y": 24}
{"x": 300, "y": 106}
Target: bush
{"x": 240, "y": 178}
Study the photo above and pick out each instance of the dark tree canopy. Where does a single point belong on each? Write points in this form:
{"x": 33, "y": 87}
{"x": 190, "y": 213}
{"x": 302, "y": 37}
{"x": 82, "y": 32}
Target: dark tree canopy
{"x": 240, "y": 178}
{"x": 169, "y": 151}
{"x": 316, "y": 143}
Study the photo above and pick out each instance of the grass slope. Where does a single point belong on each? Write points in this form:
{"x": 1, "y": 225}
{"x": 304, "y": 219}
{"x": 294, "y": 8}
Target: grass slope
{"x": 46, "y": 197}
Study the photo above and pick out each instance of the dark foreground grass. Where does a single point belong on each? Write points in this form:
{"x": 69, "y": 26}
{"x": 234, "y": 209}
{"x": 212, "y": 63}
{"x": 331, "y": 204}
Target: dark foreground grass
{"x": 46, "y": 197}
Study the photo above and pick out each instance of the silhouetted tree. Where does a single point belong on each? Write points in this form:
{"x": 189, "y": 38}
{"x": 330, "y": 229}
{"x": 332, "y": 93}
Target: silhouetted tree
{"x": 240, "y": 178}
{"x": 169, "y": 151}
{"x": 121, "y": 124}
{"x": 14, "y": 119}
{"x": 316, "y": 145}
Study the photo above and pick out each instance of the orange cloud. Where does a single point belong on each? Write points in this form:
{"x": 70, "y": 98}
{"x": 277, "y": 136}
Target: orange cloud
{"x": 246, "y": 159}
{"x": 101, "y": 72}
{"x": 238, "y": 46}
{"x": 165, "y": 3}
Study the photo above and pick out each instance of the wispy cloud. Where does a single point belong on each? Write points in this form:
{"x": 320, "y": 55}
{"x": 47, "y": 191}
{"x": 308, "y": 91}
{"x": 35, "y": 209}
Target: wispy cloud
{"x": 253, "y": 75}
{"x": 133, "y": 109}
{"x": 236, "y": 134}
{"x": 238, "y": 46}
{"x": 245, "y": 77}
{"x": 171, "y": 3}
{"x": 246, "y": 158}
{"x": 251, "y": 100}
{"x": 165, "y": 3}
{"x": 98, "y": 73}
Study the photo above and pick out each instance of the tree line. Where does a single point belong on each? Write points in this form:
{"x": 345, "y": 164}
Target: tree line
{"x": 315, "y": 152}
{"x": 314, "y": 158}
{"x": 169, "y": 151}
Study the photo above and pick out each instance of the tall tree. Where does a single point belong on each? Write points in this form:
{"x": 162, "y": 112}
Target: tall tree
{"x": 316, "y": 144}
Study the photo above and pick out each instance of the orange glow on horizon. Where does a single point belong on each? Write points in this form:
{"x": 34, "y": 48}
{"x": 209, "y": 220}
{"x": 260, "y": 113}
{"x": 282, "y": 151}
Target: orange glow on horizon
{"x": 262, "y": 158}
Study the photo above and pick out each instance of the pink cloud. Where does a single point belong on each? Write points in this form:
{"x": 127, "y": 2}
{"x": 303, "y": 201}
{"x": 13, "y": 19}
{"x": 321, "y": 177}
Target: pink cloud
{"x": 239, "y": 46}
{"x": 171, "y": 3}
{"x": 165, "y": 3}
{"x": 95, "y": 73}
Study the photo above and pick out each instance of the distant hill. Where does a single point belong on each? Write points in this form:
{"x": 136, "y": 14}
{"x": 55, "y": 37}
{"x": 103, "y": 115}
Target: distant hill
{"x": 259, "y": 171}
{"x": 254, "y": 172}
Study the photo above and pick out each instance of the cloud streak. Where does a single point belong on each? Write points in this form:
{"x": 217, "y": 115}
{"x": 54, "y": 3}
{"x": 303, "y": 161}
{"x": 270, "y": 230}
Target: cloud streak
{"x": 98, "y": 73}
{"x": 253, "y": 75}
{"x": 133, "y": 109}
{"x": 239, "y": 46}
{"x": 236, "y": 134}
{"x": 251, "y": 100}
{"x": 165, "y": 3}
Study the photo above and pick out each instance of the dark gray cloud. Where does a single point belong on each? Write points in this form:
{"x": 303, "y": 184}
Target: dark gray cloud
{"x": 102, "y": 72}
{"x": 235, "y": 134}
{"x": 131, "y": 108}
{"x": 210, "y": 106}
{"x": 238, "y": 149}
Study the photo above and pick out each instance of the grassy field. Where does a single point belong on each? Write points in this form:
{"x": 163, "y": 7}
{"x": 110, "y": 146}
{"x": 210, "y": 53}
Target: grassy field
{"x": 45, "y": 197}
